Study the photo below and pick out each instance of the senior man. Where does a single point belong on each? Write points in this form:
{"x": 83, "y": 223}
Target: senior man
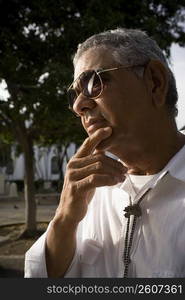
{"x": 122, "y": 217}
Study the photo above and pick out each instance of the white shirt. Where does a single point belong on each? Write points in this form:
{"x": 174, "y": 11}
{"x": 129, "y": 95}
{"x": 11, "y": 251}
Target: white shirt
{"x": 158, "y": 248}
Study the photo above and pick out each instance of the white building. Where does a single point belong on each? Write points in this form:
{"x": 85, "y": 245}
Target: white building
{"x": 46, "y": 163}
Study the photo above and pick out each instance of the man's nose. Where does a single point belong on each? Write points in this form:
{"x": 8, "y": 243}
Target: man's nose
{"x": 82, "y": 104}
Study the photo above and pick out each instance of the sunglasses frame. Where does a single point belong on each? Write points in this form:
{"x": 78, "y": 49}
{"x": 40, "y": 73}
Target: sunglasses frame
{"x": 98, "y": 72}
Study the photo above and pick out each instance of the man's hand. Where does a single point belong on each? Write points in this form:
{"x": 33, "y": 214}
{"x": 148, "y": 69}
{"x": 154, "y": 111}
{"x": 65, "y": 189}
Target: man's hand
{"x": 87, "y": 170}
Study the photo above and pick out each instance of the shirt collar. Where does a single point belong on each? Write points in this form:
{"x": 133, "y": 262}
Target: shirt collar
{"x": 175, "y": 167}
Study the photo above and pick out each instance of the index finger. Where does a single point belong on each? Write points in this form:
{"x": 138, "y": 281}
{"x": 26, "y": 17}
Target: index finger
{"x": 92, "y": 141}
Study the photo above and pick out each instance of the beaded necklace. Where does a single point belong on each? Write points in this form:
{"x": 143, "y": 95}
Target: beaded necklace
{"x": 134, "y": 210}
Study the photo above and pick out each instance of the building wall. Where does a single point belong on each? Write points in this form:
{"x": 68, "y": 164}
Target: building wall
{"x": 43, "y": 163}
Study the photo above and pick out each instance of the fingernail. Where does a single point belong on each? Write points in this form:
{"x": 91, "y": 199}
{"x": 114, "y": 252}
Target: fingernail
{"x": 106, "y": 129}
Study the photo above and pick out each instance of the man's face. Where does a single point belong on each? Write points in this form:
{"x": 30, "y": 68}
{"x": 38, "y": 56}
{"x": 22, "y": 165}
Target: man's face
{"x": 125, "y": 105}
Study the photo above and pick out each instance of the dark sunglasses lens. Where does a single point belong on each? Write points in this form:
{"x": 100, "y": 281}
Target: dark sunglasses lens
{"x": 71, "y": 97}
{"x": 88, "y": 83}
{"x": 91, "y": 84}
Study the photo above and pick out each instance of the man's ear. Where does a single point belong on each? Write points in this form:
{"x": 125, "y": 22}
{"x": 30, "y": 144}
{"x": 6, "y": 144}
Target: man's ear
{"x": 156, "y": 79}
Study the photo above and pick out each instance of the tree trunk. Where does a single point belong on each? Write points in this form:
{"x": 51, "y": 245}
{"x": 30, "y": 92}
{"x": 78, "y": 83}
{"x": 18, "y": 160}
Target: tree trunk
{"x": 29, "y": 189}
{"x": 62, "y": 154}
{"x": 17, "y": 124}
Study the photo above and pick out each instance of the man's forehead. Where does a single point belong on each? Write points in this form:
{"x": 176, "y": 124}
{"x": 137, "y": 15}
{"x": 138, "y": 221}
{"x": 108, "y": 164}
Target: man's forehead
{"x": 93, "y": 59}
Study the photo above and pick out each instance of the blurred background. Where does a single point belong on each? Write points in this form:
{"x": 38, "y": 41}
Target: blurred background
{"x": 38, "y": 134}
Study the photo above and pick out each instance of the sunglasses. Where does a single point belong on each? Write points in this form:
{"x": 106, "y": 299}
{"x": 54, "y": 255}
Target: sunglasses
{"x": 90, "y": 84}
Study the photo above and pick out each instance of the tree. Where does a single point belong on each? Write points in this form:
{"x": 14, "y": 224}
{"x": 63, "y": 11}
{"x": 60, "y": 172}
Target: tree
{"x": 33, "y": 110}
{"x": 37, "y": 39}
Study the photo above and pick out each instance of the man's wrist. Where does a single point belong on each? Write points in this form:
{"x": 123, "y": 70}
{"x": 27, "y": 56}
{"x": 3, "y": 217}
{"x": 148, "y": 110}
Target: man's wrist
{"x": 61, "y": 221}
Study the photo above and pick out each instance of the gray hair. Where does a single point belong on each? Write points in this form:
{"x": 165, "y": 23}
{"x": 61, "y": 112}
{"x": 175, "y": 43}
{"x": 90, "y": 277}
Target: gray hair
{"x": 132, "y": 47}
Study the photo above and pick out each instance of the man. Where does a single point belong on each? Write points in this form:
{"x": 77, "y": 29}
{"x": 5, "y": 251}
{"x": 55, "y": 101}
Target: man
{"x": 121, "y": 217}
